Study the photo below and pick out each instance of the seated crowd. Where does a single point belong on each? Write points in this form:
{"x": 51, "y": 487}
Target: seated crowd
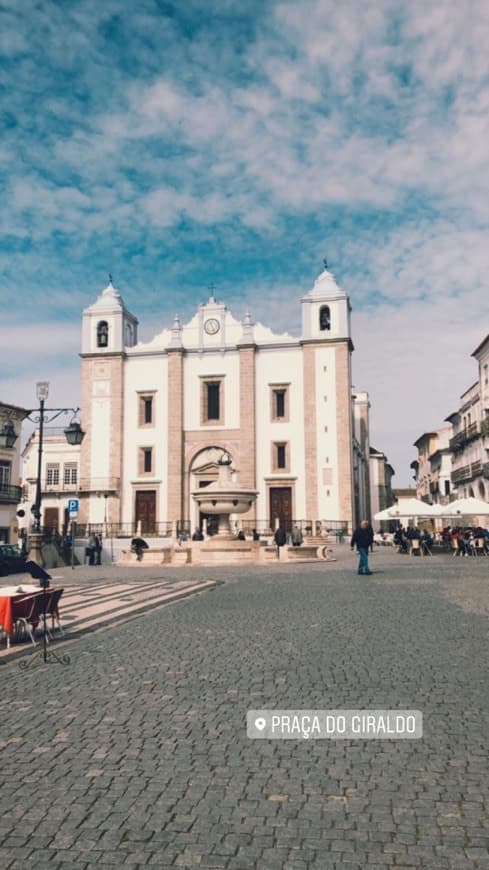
{"x": 461, "y": 541}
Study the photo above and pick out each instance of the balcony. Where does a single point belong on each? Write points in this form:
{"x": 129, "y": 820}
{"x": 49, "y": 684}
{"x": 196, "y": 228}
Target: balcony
{"x": 461, "y": 474}
{"x": 10, "y": 494}
{"x": 457, "y": 442}
{"x": 96, "y": 484}
{"x": 472, "y": 431}
{"x": 476, "y": 468}
{"x": 485, "y": 470}
{"x": 485, "y": 428}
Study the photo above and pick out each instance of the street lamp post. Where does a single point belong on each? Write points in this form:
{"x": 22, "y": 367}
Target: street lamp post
{"x": 73, "y": 434}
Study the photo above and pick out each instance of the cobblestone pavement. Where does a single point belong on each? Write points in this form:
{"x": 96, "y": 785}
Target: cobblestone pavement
{"x": 90, "y": 601}
{"x": 136, "y": 755}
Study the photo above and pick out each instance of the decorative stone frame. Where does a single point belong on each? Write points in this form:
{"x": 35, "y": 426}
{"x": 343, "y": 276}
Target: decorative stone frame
{"x": 275, "y": 467}
{"x": 205, "y": 380}
{"x": 143, "y": 397}
{"x": 274, "y": 389}
{"x": 141, "y": 461}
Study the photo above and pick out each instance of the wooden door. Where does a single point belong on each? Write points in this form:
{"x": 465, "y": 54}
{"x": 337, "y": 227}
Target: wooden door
{"x": 281, "y": 506}
{"x": 146, "y": 510}
{"x": 51, "y": 518}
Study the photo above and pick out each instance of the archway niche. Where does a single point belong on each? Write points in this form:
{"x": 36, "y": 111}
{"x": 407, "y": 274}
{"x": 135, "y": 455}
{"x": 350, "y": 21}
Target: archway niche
{"x": 102, "y": 333}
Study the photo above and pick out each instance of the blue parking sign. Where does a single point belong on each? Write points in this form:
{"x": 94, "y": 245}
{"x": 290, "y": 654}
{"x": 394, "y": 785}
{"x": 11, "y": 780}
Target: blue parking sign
{"x": 73, "y": 505}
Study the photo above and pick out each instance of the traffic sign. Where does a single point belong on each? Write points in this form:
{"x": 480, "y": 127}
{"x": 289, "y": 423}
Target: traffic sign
{"x": 73, "y": 505}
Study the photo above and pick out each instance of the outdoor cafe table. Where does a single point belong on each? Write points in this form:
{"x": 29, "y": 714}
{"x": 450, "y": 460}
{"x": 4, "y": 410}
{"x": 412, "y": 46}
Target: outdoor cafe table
{"x": 8, "y": 594}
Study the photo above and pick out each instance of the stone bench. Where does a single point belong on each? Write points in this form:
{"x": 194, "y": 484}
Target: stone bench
{"x": 158, "y": 556}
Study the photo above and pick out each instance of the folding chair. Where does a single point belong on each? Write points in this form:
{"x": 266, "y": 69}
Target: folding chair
{"x": 414, "y": 547}
{"x": 480, "y": 548}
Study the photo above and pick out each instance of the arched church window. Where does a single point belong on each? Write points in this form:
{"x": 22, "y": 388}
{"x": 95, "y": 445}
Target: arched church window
{"x": 102, "y": 334}
{"x": 324, "y": 317}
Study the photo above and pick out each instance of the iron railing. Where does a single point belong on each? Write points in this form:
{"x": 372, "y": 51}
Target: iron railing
{"x": 461, "y": 474}
{"x": 318, "y": 528}
{"x": 10, "y": 494}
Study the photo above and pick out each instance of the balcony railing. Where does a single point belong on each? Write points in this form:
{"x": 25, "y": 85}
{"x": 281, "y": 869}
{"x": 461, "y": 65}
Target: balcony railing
{"x": 464, "y": 436}
{"x": 472, "y": 431}
{"x": 457, "y": 442}
{"x": 461, "y": 474}
{"x": 485, "y": 470}
{"x": 476, "y": 468}
{"x": 96, "y": 484}
{"x": 10, "y": 494}
{"x": 485, "y": 428}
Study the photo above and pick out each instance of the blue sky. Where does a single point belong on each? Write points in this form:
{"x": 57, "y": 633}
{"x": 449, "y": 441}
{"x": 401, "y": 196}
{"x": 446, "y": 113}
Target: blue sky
{"x": 178, "y": 145}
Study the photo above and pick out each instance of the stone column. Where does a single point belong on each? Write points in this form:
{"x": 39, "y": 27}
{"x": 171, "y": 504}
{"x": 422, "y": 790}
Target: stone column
{"x": 175, "y": 435}
{"x": 344, "y": 431}
{"x": 247, "y": 421}
{"x": 310, "y": 431}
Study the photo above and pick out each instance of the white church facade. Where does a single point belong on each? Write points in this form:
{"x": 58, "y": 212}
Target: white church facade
{"x": 158, "y": 416}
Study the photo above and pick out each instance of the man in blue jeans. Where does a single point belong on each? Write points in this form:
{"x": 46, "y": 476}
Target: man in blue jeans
{"x": 363, "y": 538}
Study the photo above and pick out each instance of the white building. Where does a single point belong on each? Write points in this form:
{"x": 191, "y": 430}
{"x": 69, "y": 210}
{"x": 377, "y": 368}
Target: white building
{"x": 157, "y": 417}
{"x": 10, "y": 491}
{"x": 60, "y": 477}
{"x": 461, "y": 468}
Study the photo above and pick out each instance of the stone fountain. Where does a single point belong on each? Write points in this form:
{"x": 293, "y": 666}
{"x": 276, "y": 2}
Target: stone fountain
{"x": 224, "y": 497}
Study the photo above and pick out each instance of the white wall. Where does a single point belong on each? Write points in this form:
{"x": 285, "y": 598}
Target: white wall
{"x": 326, "y": 442}
{"x": 277, "y": 366}
{"x": 198, "y": 366}
{"x": 145, "y": 374}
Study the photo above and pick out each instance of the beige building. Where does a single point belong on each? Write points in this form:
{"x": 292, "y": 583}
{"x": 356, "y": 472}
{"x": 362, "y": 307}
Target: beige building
{"x": 459, "y": 468}
{"x": 158, "y": 416}
{"x": 433, "y": 466}
{"x": 11, "y": 418}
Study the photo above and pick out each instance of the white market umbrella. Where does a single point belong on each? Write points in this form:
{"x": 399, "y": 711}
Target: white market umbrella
{"x": 410, "y": 507}
{"x": 465, "y": 507}
{"x": 384, "y": 515}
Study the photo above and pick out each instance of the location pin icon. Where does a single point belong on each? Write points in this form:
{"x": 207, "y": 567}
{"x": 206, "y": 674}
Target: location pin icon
{"x": 260, "y": 723}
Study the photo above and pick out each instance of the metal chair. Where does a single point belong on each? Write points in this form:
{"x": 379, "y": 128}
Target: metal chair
{"x": 27, "y": 613}
{"x": 52, "y": 610}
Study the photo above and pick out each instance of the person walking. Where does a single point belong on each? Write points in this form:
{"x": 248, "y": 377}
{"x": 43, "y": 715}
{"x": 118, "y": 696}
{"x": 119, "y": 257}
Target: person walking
{"x": 362, "y": 538}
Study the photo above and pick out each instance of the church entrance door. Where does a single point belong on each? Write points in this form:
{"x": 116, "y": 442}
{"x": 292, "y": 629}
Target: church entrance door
{"x": 146, "y": 510}
{"x": 281, "y": 506}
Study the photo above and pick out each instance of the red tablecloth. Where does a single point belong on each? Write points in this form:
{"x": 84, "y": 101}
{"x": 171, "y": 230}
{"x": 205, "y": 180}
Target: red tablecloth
{"x": 6, "y": 607}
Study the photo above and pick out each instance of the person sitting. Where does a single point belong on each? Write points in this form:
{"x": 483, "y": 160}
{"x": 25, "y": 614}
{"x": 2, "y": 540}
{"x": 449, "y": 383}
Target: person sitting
{"x": 296, "y": 537}
{"x": 137, "y": 546}
{"x": 256, "y": 536}
{"x": 197, "y": 535}
{"x": 241, "y": 536}
{"x": 400, "y": 540}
